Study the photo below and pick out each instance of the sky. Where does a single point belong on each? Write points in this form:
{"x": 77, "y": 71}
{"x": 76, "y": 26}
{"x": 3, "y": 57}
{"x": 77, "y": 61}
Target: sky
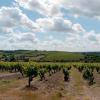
{"x": 54, "y": 25}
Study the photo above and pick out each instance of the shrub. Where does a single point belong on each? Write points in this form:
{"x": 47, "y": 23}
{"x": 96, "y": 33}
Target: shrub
{"x": 31, "y": 72}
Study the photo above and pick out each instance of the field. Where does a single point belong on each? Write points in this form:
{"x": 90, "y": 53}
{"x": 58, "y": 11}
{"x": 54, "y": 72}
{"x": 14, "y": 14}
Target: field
{"x": 51, "y": 56}
{"x": 49, "y": 84}
{"x": 49, "y": 49}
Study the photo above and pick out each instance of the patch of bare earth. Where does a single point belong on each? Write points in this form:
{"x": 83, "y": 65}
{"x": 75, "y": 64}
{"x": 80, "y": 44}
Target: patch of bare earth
{"x": 10, "y": 75}
{"x": 53, "y": 88}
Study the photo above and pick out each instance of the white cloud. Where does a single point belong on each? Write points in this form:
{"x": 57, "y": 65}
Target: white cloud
{"x": 24, "y": 33}
{"x": 22, "y": 37}
{"x": 78, "y": 28}
{"x": 11, "y": 18}
{"x": 93, "y": 37}
{"x": 44, "y": 7}
{"x": 16, "y": 28}
{"x": 70, "y": 43}
{"x": 59, "y": 24}
{"x": 88, "y": 8}
{"x": 52, "y": 8}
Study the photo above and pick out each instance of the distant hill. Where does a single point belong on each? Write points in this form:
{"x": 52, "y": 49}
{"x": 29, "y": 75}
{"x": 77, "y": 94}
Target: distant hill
{"x": 49, "y": 56}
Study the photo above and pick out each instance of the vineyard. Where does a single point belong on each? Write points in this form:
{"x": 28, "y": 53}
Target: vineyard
{"x": 41, "y": 72}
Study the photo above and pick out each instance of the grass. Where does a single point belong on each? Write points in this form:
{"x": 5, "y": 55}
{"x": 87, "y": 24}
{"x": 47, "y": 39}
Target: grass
{"x": 47, "y": 55}
{"x": 14, "y": 88}
{"x": 77, "y": 80}
{"x": 62, "y": 56}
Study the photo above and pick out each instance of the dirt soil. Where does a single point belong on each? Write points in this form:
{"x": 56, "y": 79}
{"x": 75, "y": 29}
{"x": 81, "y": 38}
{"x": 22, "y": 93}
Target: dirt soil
{"x": 53, "y": 88}
{"x": 10, "y": 75}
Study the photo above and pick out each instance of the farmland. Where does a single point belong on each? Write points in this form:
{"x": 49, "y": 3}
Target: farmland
{"x": 44, "y": 56}
{"x": 49, "y": 75}
{"x": 49, "y": 50}
{"x": 49, "y": 81}
{"x": 49, "y": 56}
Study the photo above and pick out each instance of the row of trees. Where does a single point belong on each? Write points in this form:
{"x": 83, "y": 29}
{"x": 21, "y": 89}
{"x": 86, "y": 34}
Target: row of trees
{"x": 41, "y": 71}
{"x": 88, "y": 72}
{"x": 33, "y": 70}
{"x": 42, "y": 57}
{"x": 13, "y": 58}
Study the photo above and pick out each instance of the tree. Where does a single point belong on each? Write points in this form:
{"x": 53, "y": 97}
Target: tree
{"x": 98, "y": 70}
{"x": 49, "y": 69}
{"x": 11, "y": 58}
{"x": 88, "y": 75}
{"x": 4, "y": 57}
{"x": 66, "y": 74}
{"x": 42, "y": 72}
{"x": 31, "y": 72}
{"x": 20, "y": 68}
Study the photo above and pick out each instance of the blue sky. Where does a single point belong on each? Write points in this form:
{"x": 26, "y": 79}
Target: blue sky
{"x": 62, "y": 25}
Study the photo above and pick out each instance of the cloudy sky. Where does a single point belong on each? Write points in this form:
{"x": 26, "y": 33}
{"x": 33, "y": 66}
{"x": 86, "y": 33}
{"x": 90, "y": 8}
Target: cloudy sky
{"x": 64, "y": 25}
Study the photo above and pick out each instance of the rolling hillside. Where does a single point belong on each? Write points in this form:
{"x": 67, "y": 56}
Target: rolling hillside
{"x": 51, "y": 56}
